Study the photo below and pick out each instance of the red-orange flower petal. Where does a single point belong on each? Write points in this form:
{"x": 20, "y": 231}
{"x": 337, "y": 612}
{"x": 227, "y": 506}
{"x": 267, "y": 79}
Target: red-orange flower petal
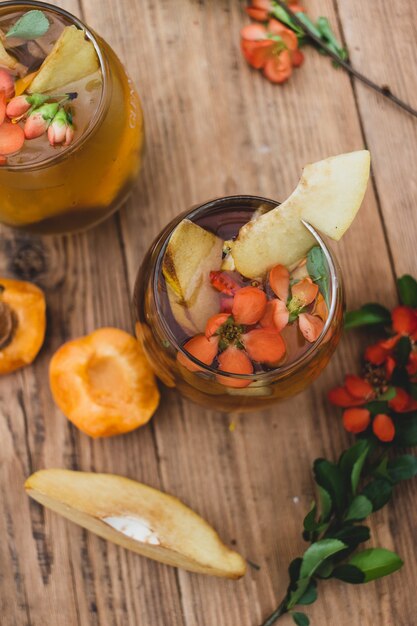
{"x": 254, "y": 32}
{"x": 276, "y": 315}
{"x": 404, "y": 320}
{"x": 358, "y": 387}
{"x": 383, "y": 427}
{"x": 264, "y": 345}
{"x": 12, "y": 138}
{"x": 339, "y": 396}
{"x": 278, "y": 68}
{"x": 297, "y": 58}
{"x": 411, "y": 366}
{"x": 356, "y": 420}
{"x": 375, "y": 354}
{"x": 234, "y": 361}
{"x": 257, "y": 14}
{"x": 249, "y": 305}
{"x": 320, "y": 307}
{"x": 257, "y": 53}
{"x": 203, "y": 349}
{"x": 305, "y": 291}
{"x": 279, "y": 281}
{"x": 214, "y": 323}
{"x": 403, "y": 402}
{"x": 390, "y": 366}
{"x": 311, "y": 326}
{"x": 3, "y": 102}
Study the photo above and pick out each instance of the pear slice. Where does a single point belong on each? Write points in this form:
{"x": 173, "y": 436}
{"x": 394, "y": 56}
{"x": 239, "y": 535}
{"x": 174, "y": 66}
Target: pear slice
{"x": 72, "y": 57}
{"x": 192, "y": 253}
{"x": 328, "y": 197}
{"x": 137, "y": 517}
{"x": 6, "y": 60}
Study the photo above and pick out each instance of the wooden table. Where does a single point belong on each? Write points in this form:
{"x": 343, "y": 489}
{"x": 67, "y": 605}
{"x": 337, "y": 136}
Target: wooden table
{"x": 214, "y": 127}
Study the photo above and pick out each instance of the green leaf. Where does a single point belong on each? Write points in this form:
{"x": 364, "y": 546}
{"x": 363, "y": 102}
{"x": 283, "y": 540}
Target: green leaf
{"x": 310, "y": 594}
{"x": 376, "y": 562}
{"x": 329, "y": 476}
{"x": 351, "y": 463}
{"x": 368, "y": 315}
{"x": 352, "y": 535}
{"x": 294, "y": 569}
{"x": 309, "y": 24}
{"x": 328, "y": 35}
{"x": 317, "y": 553}
{"x": 402, "y": 351}
{"x": 379, "y": 492}
{"x": 310, "y": 519}
{"x": 402, "y": 468}
{"x": 407, "y": 286}
{"x": 389, "y": 394}
{"x": 325, "y": 504}
{"x": 318, "y": 269}
{"x": 31, "y": 25}
{"x": 300, "y": 619}
{"x": 406, "y": 430}
{"x": 349, "y": 574}
{"x": 359, "y": 508}
{"x": 283, "y": 17}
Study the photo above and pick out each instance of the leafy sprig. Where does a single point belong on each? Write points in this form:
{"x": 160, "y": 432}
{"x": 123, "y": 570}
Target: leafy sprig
{"x": 363, "y": 479}
{"x": 348, "y": 491}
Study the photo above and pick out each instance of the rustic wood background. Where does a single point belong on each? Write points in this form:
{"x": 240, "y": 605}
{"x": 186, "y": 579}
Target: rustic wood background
{"x": 214, "y": 127}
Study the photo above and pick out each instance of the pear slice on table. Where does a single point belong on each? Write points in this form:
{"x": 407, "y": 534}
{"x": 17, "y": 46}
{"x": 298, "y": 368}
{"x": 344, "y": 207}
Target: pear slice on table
{"x": 191, "y": 254}
{"x": 328, "y": 197}
{"x": 73, "y": 57}
{"x": 137, "y": 517}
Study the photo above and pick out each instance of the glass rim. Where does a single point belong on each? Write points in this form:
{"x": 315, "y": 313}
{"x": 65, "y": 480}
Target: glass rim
{"x": 62, "y": 155}
{"x": 307, "y": 355}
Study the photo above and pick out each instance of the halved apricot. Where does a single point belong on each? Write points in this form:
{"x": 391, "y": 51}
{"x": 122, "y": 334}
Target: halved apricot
{"x": 22, "y": 323}
{"x": 103, "y": 383}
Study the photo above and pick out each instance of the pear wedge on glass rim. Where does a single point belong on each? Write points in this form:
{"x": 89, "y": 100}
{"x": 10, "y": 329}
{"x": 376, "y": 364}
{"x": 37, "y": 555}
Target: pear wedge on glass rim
{"x": 137, "y": 517}
{"x": 328, "y": 196}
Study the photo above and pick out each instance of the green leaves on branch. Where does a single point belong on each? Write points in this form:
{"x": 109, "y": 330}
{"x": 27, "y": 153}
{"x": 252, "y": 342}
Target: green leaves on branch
{"x": 348, "y": 492}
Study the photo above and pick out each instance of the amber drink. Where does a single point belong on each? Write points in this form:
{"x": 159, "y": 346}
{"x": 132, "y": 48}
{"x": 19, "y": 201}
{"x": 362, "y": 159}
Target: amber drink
{"x": 72, "y": 81}
{"x": 223, "y": 340}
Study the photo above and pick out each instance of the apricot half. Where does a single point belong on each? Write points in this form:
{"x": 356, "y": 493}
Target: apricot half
{"x": 103, "y": 383}
{"x": 22, "y": 323}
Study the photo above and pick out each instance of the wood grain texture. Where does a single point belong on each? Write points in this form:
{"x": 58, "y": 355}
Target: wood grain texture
{"x": 214, "y": 127}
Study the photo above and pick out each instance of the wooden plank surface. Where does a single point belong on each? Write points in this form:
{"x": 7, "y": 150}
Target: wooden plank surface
{"x": 214, "y": 127}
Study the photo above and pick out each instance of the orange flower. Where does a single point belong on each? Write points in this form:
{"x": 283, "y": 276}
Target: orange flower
{"x": 227, "y": 338}
{"x": 293, "y": 301}
{"x": 273, "y": 48}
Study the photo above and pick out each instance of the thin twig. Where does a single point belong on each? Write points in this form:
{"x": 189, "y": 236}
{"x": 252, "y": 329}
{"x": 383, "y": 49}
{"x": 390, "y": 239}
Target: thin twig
{"x": 276, "y": 614}
{"x": 383, "y": 91}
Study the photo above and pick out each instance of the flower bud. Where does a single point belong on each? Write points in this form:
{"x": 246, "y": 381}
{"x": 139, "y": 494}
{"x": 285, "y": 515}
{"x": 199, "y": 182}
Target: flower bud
{"x": 61, "y": 129}
{"x": 17, "y": 107}
{"x": 37, "y": 123}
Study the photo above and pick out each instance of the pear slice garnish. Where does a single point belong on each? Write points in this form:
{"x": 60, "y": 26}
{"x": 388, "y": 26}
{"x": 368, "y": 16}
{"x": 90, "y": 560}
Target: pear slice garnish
{"x": 328, "y": 197}
{"x": 137, "y": 517}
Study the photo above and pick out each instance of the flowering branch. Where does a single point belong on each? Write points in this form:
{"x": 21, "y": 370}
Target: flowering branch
{"x": 381, "y": 408}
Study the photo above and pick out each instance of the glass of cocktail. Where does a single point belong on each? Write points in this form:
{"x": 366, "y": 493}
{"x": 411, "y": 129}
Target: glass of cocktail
{"x": 224, "y": 340}
{"x": 71, "y": 124}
